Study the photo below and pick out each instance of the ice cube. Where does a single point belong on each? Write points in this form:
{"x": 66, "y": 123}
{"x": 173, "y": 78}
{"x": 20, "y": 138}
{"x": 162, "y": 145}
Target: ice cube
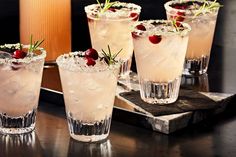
{"x": 5, "y": 55}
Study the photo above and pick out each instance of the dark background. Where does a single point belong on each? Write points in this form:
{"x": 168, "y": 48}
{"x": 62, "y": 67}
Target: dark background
{"x": 222, "y": 73}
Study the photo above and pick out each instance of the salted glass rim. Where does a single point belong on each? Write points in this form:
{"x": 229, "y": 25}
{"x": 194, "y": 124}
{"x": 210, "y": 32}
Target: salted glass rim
{"x": 185, "y": 32}
{"x": 89, "y": 11}
{"x": 66, "y": 64}
{"x": 187, "y": 11}
{"x": 23, "y": 60}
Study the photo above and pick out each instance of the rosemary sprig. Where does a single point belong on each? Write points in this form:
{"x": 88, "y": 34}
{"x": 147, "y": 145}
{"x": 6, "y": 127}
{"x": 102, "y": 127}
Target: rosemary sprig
{"x": 105, "y": 6}
{"x": 109, "y": 57}
{"x": 174, "y": 23}
{"x": 206, "y": 7}
{"x": 35, "y": 45}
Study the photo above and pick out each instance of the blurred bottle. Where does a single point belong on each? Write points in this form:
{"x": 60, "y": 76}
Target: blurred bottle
{"x": 49, "y": 20}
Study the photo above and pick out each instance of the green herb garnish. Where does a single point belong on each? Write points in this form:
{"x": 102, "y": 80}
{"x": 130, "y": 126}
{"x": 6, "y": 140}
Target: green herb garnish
{"x": 35, "y": 45}
{"x": 207, "y": 7}
{"x": 109, "y": 57}
{"x": 105, "y": 6}
{"x": 175, "y": 25}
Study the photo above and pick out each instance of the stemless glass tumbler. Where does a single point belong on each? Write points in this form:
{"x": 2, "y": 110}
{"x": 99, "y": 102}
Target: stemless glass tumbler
{"x": 89, "y": 91}
{"x": 20, "y": 82}
{"x": 201, "y": 15}
{"x": 113, "y": 27}
{"x": 160, "y": 47}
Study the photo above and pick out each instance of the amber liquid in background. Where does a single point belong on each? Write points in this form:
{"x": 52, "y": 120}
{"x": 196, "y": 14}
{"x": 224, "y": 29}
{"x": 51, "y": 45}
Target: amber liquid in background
{"x": 49, "y": 20}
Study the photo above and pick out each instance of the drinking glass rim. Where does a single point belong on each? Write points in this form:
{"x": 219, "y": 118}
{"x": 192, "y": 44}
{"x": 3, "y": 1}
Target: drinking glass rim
{"x": 184, "y": 32}
{"x": 88, "y": 11}
{"x": 190, "y": 13}
{"x": 86, "y": 69}
{"x": 25, "y": 60}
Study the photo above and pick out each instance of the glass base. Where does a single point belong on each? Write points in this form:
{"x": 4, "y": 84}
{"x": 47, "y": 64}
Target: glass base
{"x": 160, "y": 93}
{"x": 196, "y": 66}
{"x": 89, "y": 132}
{"x": 17, "y": 125}
{"x": 125, "y": 68}
{"x": 198, "y": 83}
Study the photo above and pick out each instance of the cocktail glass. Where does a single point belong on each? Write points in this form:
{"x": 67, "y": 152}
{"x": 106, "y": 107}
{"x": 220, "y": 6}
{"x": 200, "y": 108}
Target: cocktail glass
{"x": 89, "y": 93}
{"x": 202, "y": 21}
{"x": 19, "y": 93}
{"x": 160, "y": 47}
{"x": 113, "y": 27}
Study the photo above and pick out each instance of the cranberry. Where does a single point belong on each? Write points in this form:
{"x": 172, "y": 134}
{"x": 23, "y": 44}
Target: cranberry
{"x": 19, "y": 54}
{"x": 135, "y": 16}
{"x": 140, "y": 27}
{"x": 15, "y": 66}
{"x": 134, "y": 35}
{"x": 112, "y": 9}
{"x": 178, "y": 24}
{"x": 155, "y": 39}
{"x": 90, "y": 61}
{"x": 180, "y": 13}
{"x": 179, "y": 16}
{"x": 178, "y": 7}
{"x": 183, "y": 7}
{"x": 91, "y": 53}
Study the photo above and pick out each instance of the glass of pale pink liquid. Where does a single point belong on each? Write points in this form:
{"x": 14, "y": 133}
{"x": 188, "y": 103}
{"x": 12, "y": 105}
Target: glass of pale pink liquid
{"x": 20, "y": 87}
{"x": 202, "y": 23}
{"x": 160, "y": 47}
{"x": 113, "y": 28}
{"x": 89, "y": 94}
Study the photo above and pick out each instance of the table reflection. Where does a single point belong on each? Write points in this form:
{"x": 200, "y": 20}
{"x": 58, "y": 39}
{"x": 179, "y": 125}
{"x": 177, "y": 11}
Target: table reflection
{"x": 24, "y": 144}
{"x": 97, "y": 149}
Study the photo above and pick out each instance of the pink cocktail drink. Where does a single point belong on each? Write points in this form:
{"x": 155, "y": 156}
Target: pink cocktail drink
{"x": 201, "y": 16}
{"x": 113, "y": 27}
{"x": 89, "y": 89}
{"x": 21, "y": 76}
{"x": 160, "y": 47}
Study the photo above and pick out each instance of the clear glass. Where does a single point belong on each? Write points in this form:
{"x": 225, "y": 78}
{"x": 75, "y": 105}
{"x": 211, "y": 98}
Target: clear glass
{"x": 49, "y": 20}
{"x": 160, "y": 65}
{"x": 114, "y": 29}
{"x": 19, "y": 93}
{"x": 197, "y": 83}
{"x": 200, "y": 37}
{"x": 89, "y": 95}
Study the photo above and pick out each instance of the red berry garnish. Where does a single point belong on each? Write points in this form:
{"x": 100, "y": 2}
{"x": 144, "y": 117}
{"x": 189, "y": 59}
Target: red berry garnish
{"x": 155, "y": 39}
{"x": 19, "y": 54}
{"x": 112, "y": 9}
{"x": 15, "y": 66}
{"x": 178, "y": 24}
{"x": 183, "y": 7}
{"x": 90, "y": 61}
{"x": 134, "y": 35}
{"x": 135, "y": 16}
{"x": 178, "y": 7}
{"x": 179, "y": 16}
{"x": 180, "y": 13}
{"x": 91, "y": 53}
{"x": 140, "y": 27}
